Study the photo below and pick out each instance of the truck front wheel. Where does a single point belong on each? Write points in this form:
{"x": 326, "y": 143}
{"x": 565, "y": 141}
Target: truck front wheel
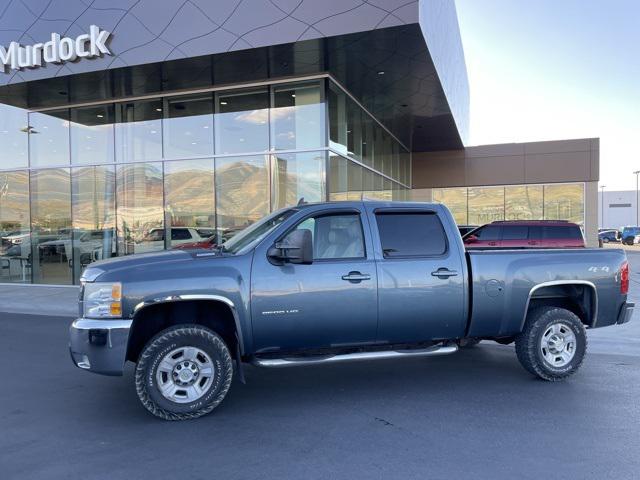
{"x": 183, "y": 372}
{"x": 552, "y": 344}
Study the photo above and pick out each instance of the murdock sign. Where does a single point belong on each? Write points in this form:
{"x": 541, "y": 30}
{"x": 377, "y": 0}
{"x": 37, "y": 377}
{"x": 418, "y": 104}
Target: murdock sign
{"x": 57, "y": 50}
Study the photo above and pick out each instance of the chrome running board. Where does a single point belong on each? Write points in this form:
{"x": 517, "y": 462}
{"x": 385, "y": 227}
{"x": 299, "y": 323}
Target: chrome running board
{"x": 444, "y": 349}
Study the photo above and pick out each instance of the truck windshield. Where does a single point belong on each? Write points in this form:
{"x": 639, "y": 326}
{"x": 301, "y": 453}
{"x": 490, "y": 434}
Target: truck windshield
{"x": 251, "y": 235}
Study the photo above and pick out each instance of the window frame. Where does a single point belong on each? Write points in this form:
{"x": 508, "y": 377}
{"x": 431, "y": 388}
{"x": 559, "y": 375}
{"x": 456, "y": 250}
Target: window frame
{"x": 331, "y": 213}
{"x": 411, "y": 211}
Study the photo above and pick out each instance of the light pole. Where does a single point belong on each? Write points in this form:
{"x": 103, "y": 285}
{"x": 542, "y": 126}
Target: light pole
{"x": 637, "y": 218}
{"x": 602, "y": 203}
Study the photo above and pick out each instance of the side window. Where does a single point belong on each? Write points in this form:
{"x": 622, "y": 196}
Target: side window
{"x": 488, "y": 233}
{"x": 514, "y": 232}
{"x": 336, "y": 236}
{"x": 574, "y": 233}
{"x": 535, "y": 233}
{"x": 180, "y": 234}
{"x": 411, "y": 234}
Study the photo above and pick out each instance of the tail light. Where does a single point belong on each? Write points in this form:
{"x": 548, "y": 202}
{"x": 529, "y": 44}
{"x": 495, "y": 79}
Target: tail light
{"x": 624, "y": 278}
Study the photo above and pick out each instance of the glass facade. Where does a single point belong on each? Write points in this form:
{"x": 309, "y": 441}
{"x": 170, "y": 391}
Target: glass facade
{"x": 86, "y": 183}
{"x": 480, "y": 205}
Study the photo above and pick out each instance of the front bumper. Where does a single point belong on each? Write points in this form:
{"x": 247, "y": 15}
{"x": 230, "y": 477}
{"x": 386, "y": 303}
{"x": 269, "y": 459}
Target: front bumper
{"x": 99, "y": 346}
{"x": 625, "y": 313}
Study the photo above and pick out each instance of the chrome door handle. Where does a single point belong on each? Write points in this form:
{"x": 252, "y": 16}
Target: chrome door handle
{"x": 356, "y": 277}
{"x": 444, "y": 273}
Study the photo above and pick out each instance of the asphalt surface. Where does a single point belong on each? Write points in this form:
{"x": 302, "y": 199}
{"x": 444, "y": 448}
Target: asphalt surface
{"x": 475, "y": 414}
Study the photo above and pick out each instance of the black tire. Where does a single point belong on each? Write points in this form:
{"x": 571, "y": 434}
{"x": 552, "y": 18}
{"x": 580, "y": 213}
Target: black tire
{"x": 159, "y": 347}
{"x": 605, "y": 240}
{"x": 468, "y": 342}
{"x": 529, "y": 342}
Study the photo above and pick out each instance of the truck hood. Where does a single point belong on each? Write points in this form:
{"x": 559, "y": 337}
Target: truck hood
{"x": 145, "y": 261}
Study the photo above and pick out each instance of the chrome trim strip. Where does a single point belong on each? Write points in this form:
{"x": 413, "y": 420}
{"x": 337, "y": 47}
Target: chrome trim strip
{"x": 94, "y": 323}
{"x": 185, "y": 297}
{"x": 350, "y": 357}
{"x": 553, "y": 283}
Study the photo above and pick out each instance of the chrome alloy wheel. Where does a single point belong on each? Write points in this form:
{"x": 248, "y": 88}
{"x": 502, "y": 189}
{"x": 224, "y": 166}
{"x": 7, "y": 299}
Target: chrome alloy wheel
{"x": 185, "y": 374}
{"x": 558, "y": 345}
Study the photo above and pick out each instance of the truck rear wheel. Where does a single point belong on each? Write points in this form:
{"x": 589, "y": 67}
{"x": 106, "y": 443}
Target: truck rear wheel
{"x": 183, "y": 372}
{"x": 552, "y": 344}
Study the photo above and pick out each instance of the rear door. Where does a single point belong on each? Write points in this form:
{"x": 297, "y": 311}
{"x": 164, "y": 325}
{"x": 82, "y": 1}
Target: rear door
{"x": 421, "y": 289}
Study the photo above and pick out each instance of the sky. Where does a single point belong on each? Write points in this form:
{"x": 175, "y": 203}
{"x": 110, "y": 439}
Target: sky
{"x": 556, "y": 69}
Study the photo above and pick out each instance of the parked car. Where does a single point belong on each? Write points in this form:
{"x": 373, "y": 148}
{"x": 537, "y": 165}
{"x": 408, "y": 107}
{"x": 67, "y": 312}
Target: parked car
{"x": 208, "y": 243}
{"x": 607, "y": 236}
{"x": 154, "y": 239}
{"x": 464, "y": 229}
{"x": 628, "y": 234}
{"x": 526, "y": 234}
{"x": 336, "y": 282}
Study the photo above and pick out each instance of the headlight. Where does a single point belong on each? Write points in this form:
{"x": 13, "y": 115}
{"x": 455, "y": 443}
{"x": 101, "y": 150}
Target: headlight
{"x": 102, "y": 300}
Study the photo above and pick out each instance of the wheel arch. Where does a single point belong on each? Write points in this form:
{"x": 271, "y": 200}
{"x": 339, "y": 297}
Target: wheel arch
{"x": 213, "y": 311}
{"x": 578, "y": 296}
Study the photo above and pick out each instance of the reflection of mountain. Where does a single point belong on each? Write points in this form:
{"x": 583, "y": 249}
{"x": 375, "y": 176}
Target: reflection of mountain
{"x": 14, "y": 200}
{"x": 51, "y": 198}
{"x": 242, "y": 190}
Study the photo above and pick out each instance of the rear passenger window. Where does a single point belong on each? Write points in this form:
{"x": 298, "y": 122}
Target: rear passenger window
{"x": 180, "y": 234}
{"x": 556, "y": 233}
{"x": 490, "y": 232}
{"x": 411, "y": 234}
{"x": 514, "y": 232}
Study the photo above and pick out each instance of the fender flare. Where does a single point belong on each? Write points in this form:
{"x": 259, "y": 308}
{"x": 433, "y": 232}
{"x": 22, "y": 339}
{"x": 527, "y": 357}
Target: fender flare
{"x": 186, "y": 297}
{"x": 554, "y": 283}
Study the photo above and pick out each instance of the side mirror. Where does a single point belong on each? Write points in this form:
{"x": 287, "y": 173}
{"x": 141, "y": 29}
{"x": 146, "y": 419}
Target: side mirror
{"x": 297, "y": 247}
{"x": 471, "y": 239}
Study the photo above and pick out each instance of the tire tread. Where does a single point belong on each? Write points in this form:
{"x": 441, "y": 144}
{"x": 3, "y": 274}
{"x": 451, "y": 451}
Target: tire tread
{"x": 167, "y": 336}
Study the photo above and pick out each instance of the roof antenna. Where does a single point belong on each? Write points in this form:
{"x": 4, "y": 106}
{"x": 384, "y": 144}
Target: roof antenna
{"x": 301, "y": 201}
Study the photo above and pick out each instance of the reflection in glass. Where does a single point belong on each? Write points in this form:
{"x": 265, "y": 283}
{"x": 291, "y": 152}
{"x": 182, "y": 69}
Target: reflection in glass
{"x": 297, "y": 118}
{"x": 564, "y": 202}
{"x": 189, "y": 201}
{"x": 92, "y": 135}
{"x": 139, "y": 208}
{"x": 242, "y": 191}
{"x": 523, "y": 202}
{"x": 455, "y": 199}
{"x": 139, "y": 131}
{"x": 93, "y": 209}
{"x": 15, "y": 241}
{"x": 298, "y": 176}
{"x": 486, "y": 204}
{"x": 51, "y": 226}
{"x": 242, "y": 121}
{"x": 49, "y": 138}
{"x": 354, "y": 181}
{"x": 337, "y": 119}
{"x": 338, "y": 186}
{"x": 188, "y": 126}
{"x": 13, "y": 137}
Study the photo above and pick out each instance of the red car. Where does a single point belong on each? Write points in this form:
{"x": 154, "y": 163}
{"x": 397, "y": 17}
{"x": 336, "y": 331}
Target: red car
{"x": 526, "y": 234}
{"x": 207, "y": 243}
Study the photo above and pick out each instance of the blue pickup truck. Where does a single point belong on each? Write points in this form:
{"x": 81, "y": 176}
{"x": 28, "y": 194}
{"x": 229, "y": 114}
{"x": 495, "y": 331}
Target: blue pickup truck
{"x": 333, "y": 282}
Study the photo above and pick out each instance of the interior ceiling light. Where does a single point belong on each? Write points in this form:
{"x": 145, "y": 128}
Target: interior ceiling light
{"x": 381, "y": 72}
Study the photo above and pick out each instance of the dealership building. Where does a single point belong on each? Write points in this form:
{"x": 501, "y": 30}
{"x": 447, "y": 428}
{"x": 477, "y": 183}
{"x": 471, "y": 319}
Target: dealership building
{"x": 134, "y": 126}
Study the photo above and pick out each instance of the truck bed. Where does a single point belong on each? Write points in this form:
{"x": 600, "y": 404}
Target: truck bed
{"x": 504, "y": 281}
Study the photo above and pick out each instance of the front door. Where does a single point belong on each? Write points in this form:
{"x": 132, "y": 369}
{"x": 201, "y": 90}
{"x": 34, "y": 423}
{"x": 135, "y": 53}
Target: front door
{"x": 329, "y": 303}
{"x": 421, "y": 287}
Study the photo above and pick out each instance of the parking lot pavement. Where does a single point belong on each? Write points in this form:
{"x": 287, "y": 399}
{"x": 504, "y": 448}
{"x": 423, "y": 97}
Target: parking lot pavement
{"x": 475, "y": 414}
